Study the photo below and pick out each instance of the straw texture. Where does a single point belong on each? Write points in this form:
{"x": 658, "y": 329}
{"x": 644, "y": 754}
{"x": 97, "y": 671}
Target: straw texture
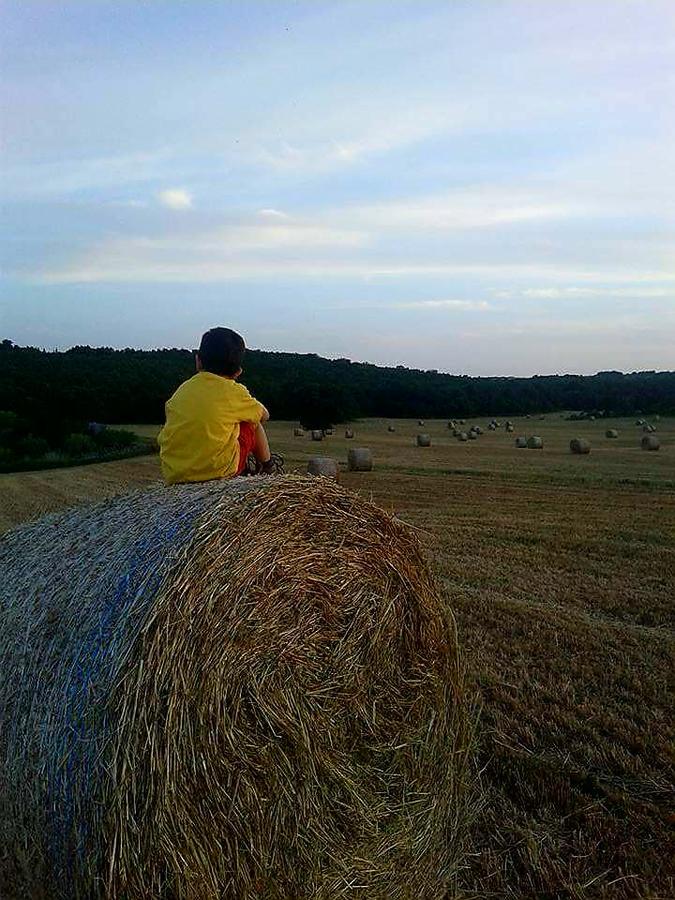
{"x": 229, "y": 690}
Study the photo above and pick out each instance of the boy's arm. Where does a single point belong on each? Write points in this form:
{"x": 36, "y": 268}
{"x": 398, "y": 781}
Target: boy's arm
{"x": 250, "y": 409}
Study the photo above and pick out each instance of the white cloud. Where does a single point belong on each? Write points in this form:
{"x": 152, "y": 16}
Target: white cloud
{"x": 482, "y": 207}
{"x": 562, "y": 293}
{"x": 273, "y": 214}
{"x": 175, "y": 198}
{"x": 73, "y": 176}
{"x": 445, "y": 304}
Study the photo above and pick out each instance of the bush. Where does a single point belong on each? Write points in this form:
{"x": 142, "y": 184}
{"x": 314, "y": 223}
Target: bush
{"x": 79, "y": 445}
{"x": 115, "y": 439}
{"x": 31, "y": 447}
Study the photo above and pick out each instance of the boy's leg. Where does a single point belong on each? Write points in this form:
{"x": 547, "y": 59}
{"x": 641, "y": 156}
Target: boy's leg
{"x": 268, "y": 463}
{"x": 254, "y": 452}
{"x": 261, "y": 448}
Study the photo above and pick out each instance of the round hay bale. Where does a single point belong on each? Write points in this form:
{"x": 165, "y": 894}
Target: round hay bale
{"x": 478, "y": 429}
{"x": 360, "y": 459}
{"x": 391, "y": 428}
{"x": 509, "y": 427}
{"x": 611, "y": 433}
{"x": 328, "y": 432}
{"x": 649, "y": 429}
{"x": 580, "y": 445}
{"x": 317, "y": 435}
{"x": 423, "y": 440}
{"x": 462, "y": 436}
{"x": 521, "y": 442}
{"x": 461, "y": 421}
{"x": 541, "y": 418}
{"x": 473, "y": 436}
{"x": 492, "y": 427}
{"x": 349, "y": 434}
{"x": 650, "y": 442}
{"x": 535, "y": 442}
{"x": 452, "y": 425}
{"x": 420, "y": 422}
{"x": 657, "y": 418}
{"x": 323, "y": 465}
{"x": 298, "y": 432}
{"x": 227, "y": 690}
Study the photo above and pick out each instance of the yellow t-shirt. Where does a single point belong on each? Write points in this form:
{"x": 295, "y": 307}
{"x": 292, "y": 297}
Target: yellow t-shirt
{"x": 200, "y": 438}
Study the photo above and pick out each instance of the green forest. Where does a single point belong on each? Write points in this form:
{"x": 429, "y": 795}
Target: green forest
{"x": 54, "y": 394}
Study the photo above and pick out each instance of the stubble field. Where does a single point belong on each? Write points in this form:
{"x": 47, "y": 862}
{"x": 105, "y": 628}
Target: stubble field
{"x": 560, "y": 571}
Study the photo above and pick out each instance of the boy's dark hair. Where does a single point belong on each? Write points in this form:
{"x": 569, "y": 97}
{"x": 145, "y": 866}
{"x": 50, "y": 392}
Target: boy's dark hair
{"x": 221, "y": 351}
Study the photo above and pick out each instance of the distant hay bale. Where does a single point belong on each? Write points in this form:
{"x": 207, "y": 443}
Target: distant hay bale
{"x": 473, "y": 436}
{"x": 657, "y": 418}
{"x": 509, "y": 423}
{"x": 391, "y": 428}
{"x": 535, "y": 442}
{"x": 452, "y": 425}
{"x": 299, "y": 432}
{"x": 648, "y": 429}
{"x": 317, "y": 435}
{"x": 492, "y": 426}
{"x": 611, "y": 433}
{"x": 640, "y": 422}
{"x": 360, "y": 459}
{"x": 461, "y": 421}
{"x": 650, "y": 442}
{"x": 509, "y": 427}
{"x": 349, "y": 434}
{"x": 328, "y": 431}
{"x": 420, "y": 422}
{"x": 423, "y": 440}
{"x": 227, "y": 690}
{"x": 521, "y": 442}
{"x": 324, "y": 466}
{"x": 541, "y": 418}
{"x": 462, "y": 436}
{"x": 580, "y": 446}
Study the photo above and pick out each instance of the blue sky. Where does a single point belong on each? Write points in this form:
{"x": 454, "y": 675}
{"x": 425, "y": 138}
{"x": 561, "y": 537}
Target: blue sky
{"x": 474, "y": 186}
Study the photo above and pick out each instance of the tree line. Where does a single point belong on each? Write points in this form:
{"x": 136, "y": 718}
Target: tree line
{"x": 56, "y": 391}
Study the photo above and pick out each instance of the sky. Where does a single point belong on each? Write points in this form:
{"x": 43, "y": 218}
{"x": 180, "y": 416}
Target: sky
{"x": 474, "y": 186}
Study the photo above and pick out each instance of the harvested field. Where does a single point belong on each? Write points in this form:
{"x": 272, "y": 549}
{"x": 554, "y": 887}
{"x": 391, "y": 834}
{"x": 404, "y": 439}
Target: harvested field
{"x": 561, "y": 572}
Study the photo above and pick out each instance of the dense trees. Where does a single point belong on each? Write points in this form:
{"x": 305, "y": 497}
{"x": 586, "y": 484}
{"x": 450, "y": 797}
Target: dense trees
{"x": 55, "y": 392}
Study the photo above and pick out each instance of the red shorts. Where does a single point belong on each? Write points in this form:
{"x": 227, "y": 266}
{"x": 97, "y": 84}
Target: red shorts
{"x": 246, "y": 443}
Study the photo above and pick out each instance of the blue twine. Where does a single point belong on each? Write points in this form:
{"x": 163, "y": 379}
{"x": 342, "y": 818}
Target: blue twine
{"x": 76, "y": 767}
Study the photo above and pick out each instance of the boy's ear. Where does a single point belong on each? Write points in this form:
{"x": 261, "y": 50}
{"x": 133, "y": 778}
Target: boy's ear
{"x": 198, "y": 362}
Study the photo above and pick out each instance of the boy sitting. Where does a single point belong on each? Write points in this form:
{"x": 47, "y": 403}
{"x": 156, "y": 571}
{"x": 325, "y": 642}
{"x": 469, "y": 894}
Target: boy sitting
{"x": 212, "y": 422}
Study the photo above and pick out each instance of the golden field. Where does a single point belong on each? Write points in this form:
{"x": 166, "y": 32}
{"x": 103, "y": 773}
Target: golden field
{"x": 560, "y": 570}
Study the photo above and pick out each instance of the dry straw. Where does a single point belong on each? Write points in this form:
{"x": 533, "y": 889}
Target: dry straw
{"x": 323, "y": 465}
{"x": 244, "y": 689}
{"x": 360, "y": 459}
{"x": 580, "y": 446}
{"x": 650, "y": 442}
